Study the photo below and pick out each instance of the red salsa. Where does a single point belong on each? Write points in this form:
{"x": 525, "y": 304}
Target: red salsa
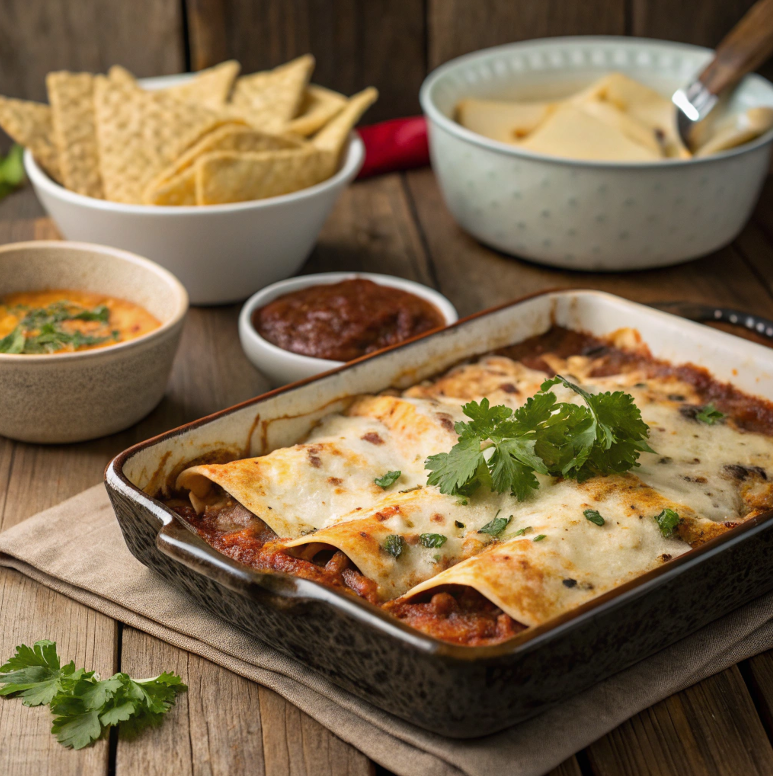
{"x": 346, "y": 320}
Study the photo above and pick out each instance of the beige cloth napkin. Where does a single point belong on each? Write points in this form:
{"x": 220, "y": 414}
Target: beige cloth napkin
{"x": 77, "y": 549}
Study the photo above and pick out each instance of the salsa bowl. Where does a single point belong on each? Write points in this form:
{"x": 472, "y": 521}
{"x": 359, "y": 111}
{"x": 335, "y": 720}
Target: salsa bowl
{"x": 74, "y": 396}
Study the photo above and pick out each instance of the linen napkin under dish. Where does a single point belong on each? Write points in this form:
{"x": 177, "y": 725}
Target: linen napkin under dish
{"x": 77, "y": 549}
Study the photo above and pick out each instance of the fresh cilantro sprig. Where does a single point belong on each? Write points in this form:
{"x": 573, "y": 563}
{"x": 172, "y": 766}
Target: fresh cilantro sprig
{"x": 84, "y": 706}
{"x": 503, "y": 449}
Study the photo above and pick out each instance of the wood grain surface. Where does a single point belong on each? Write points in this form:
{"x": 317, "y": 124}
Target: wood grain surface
{"x": 226, "y": 725}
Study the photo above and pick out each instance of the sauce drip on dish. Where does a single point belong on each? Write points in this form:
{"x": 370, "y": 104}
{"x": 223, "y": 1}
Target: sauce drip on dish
{"x": 66, "y": 321}
{"x": 346, "y": 320}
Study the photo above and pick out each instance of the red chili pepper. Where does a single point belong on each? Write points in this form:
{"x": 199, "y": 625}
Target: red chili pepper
{"x": 399, "y": 144}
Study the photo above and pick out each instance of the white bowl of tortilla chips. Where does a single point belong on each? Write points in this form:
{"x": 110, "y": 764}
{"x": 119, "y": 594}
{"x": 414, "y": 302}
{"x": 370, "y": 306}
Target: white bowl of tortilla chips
{"x": 226, "y": 181}
{"x": 556, "y": 182}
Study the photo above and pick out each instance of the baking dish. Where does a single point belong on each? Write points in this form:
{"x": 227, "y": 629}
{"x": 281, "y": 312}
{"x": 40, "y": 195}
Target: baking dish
{"x": 451, "y": 690}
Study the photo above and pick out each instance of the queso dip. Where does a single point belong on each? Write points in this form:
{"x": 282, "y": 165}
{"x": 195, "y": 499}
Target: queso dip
{"x": 65, "y": 321}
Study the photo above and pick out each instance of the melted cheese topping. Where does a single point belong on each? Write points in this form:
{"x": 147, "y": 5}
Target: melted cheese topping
{"x": 321, "y": 495}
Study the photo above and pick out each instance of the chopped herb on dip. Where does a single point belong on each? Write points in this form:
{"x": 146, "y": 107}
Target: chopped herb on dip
{"x": 44, "y": 322}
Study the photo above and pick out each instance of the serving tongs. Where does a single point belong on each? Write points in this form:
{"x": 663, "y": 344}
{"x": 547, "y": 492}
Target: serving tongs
{"x": 743, "y": 49}
{"x": 705, "y": 313}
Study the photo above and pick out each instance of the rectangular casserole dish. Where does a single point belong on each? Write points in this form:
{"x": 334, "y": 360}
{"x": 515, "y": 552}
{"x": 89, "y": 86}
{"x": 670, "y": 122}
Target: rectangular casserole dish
{"x": 452, "y": 690}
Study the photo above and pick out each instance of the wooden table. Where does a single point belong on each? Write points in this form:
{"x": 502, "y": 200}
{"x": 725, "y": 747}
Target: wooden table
{"x": 228, "y": 725}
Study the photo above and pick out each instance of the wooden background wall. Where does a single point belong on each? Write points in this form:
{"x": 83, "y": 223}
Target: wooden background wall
{"x": 391, "y": 44}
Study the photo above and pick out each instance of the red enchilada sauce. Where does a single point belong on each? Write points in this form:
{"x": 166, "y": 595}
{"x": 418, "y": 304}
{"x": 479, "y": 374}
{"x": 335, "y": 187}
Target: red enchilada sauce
{"x": 346, "y": 320}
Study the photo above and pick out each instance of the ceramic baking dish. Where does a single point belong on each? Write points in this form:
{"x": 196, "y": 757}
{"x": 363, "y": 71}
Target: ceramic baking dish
{"x": 452, "y": 690}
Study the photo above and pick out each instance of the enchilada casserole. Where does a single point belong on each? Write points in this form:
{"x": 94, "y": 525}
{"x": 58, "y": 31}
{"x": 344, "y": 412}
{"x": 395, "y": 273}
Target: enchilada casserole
{"x": 353, "y": 506}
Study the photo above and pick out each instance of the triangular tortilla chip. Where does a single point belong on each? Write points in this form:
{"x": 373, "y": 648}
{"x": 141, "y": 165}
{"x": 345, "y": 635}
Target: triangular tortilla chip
{"x": 141, "y": 133}
{"x": 319, "y": 105}
{"x": 230, "y": 137}
{"x": 269, "y": 99}
{"x": 177, "y": 190}
{"x": 331, "y": 139}
{"x": 225, "y": 176}
{"x": 507, "y": 122}
{"x": 30, "y": 124}
{"x": 72, "y": 103}
{"x": 121, "y": 75}
{"x": 210, "y": 87}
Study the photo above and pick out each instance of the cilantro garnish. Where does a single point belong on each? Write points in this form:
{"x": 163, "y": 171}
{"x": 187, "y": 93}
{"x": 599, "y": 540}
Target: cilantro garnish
{"x": 394, "y": 544}
{"x": 40, "y": 329}
{"x": 432, "y": 540}
{"x": 496, "y": 526}
{"x": 593, "y": 516}
{"x": 522, "y": 531}
{"x": 503, "y": 449}
{"x": 390, "y": 478}
{"x": 538, "y": 538}
{"x": 709, "y": 415}
{"x": 84, "y": 705}
{"x": 667, "y": 521}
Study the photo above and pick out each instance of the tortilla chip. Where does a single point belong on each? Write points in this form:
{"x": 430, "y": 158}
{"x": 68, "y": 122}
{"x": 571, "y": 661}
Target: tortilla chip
{"x": 72, "y": 104}
{"x": 141, "y": 133}
{"x": 230, "y": 137}
{"x": 121, "y": 75}
{"x": 319, "y": 105}
{"x": 177, "y": 190}
{"x": 269, "y": 99}
{"x": 30, "y": 124}
{"x": 226, "y": 176}
{"x": 331, "y": 139}
{"x": 209, "y": 87}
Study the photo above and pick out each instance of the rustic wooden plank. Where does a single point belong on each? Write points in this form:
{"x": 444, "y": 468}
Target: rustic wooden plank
{"x": 474, "y": 276}
{"x": 710, "y": 728}
{"x": 207, "y": 39}
{"x": 456, "y": 27}
{"x": 372, "y": 230}
{"x": 758, "y": 673}
{"x": 379, "y": 43}
{"x": 144, "y": 35}
{"x": 31, "y": 612}
{"x": 294, "y": 743}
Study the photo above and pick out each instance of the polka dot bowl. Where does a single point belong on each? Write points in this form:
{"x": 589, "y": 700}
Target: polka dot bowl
{"x": 600, "y": 216}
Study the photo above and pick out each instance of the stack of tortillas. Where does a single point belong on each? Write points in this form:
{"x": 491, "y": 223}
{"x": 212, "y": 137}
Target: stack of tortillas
{"x": 213, "y": 139}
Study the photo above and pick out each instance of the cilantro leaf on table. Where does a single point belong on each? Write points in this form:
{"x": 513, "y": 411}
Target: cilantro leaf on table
{"x": 84, "y": 705}
{"x": 504, "y": 449}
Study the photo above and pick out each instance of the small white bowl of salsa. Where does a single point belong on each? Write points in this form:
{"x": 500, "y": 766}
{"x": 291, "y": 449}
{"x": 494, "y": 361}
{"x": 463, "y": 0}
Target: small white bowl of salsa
{"x": 87, "y": 339}
{"x": 309, "y": 324}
